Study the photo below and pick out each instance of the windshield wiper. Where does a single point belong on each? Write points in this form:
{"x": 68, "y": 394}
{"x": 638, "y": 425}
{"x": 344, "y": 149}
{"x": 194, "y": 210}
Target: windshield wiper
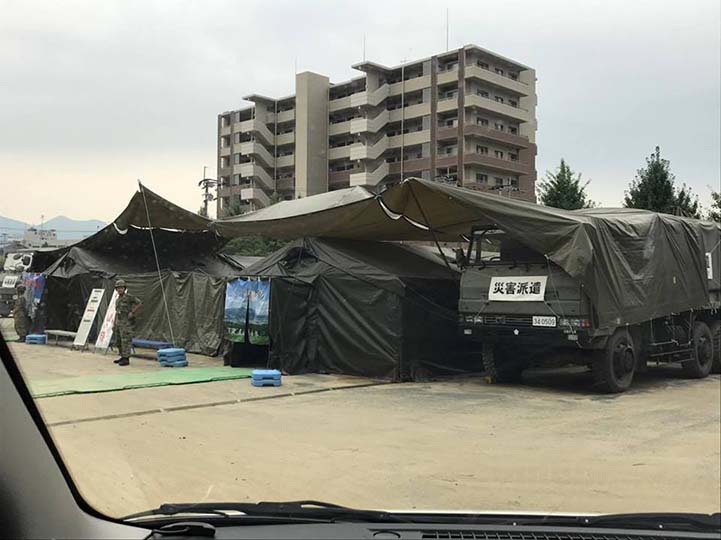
{"x": 292, "y": 510}
{"x": 318, "y": 511}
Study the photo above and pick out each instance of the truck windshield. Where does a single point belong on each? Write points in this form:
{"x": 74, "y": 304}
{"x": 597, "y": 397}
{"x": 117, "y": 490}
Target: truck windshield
{"x": 496, "y": 247}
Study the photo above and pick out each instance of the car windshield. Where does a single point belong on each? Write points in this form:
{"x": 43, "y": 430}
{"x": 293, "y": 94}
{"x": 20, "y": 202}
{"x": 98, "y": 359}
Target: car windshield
{"x": 421, "y": 256}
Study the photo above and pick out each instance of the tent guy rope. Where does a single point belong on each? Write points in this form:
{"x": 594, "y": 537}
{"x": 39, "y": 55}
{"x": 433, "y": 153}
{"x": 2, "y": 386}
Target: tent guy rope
{"x": 157, "y": 263}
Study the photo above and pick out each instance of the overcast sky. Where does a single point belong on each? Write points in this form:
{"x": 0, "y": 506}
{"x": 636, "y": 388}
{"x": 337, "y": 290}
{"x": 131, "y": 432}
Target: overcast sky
{"x": 96, "y": 94}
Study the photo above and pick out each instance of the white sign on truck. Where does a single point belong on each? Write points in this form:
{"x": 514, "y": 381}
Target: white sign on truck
{"x": 517, "y": 289}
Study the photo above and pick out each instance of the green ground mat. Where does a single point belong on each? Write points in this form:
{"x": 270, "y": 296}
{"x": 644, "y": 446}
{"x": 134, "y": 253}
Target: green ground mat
{"x": 126, "y": 381}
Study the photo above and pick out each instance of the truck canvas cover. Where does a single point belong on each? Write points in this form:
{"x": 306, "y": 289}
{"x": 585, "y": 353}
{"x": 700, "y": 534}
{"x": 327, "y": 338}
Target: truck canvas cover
{"x": 635, "y": 265}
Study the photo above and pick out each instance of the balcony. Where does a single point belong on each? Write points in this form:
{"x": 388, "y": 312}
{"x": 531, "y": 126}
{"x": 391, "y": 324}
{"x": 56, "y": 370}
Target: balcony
{"x": 285, "y": 138}
{"x": 497, "y": 80}
{"x": 373, "y": 98}
{"x": 339, "y": 152}
{"x": 339, "y": 178}
{"x": 504, "y": 165}
{"x": 256, "y": 126}
{"x": 370, "y": 178}
{"x": 448, "y": 75}
{"x": 253, "y": 170}
{"x": 408, "y": 139}
{"x": 227, "y": 191}
{"x": 285, "y": 116}
{"x": 255, "y": 195}
{"x": 411, "y": 85}
{"x": 485, "y": 132}
{"x": 446, "y": 132}
{"x": 448, "y": 104}
{"x": 411, "y": 166}
{"x": 412, "y": 111}
{"x": 285, "y": 161}
{"x": 258, "y": 150}
{"x": 224, "y": 151}
{"x": 364, "y": 151}
{"x": 372, "y": 125}
{"x": 340, "y": 128}
{"x": 225, "y": 130}
{"x": 340, "y": 103}
{"x": 487, "y": 104}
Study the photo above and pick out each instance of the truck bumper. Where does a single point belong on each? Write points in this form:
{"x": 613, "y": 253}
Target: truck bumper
{"x": 534, "y": 337}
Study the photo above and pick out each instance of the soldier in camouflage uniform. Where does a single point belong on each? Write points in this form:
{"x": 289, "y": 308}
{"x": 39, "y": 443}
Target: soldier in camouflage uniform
{"x": 125, "y": 308}
{"x": 20, "y": 313}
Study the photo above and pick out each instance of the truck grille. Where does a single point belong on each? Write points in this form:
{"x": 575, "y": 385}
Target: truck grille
{"x": 515, "y": 320}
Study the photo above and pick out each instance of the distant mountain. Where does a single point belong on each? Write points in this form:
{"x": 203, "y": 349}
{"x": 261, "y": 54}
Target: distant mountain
{"x": 73, "y": 228}
{"x": 12, "y": 227}
{"x": 67, "y": 228}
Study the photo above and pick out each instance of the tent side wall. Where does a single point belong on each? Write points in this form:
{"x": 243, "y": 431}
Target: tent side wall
{"x": 336, "y": 324}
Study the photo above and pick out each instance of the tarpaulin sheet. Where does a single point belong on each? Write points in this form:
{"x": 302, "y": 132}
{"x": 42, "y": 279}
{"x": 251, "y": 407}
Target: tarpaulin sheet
{"x": 635, "y": 265}
{"x": 195, "y": 302}
{"x": 361, "y": 308}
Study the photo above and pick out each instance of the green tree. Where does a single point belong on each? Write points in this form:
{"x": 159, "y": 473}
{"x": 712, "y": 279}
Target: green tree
{"x": 654, "y": 188}
{"x": 254, "y": 245}
{"x": 202, "y": 212}
{"x": 714, "y": 213}
{"x": 563, "y": 189}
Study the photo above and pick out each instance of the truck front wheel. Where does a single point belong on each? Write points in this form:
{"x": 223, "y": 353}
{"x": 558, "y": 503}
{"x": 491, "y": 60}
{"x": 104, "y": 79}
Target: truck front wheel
{"x": 700, "y": 366}
{"x": 715, "y": 328}
{"x": 502, "y": 365}
{"x": 613, "y": 368}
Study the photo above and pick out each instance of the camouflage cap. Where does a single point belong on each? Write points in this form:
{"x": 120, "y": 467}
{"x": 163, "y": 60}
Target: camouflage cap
{"x": 120, "y": 283}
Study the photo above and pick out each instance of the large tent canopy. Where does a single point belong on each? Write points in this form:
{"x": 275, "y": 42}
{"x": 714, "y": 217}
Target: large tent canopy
{"x": 634, "y": 264}
{"x": 374, "y": 309}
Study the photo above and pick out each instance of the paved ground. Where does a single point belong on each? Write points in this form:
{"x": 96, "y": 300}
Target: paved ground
{"x": 549, "y": 444}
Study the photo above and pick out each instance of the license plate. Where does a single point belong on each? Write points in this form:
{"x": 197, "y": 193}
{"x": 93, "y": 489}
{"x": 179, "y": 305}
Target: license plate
{"x": 549, "y": 322}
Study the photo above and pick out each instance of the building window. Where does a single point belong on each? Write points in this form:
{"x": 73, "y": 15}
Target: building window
{"x": 499, "y": 99}
{"x": 483, "y": 93}
{"x": 499, "y": 71}
{"x": 236, "y": 180}
{"x": 452, "y": 122}
{"x": 480, "y": 177}
{"x": 499, "y": 154}
{"x": 451, "y": 150}
{"x": 498, "y": 180}
{"x": 513, "y": 76}
{"x": 224, "y": 162}
{"x": 513, "y": 157}
{"x": 225, "y": 122}
{"x": 482, "y": 121}
{"x": 481, "y": 149}
{"x": 513, "y": 103}
{"x": 236, "y": 159}
{"x": 237, "y": 138}
{"x": 514, "y": 181}
{"x": 499, "y": 126}
{"x": 482, "y": 65}
{"x": 513, "y": 130}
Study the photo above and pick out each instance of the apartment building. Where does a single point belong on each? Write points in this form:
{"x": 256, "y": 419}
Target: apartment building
{"x": 466, "y": 116}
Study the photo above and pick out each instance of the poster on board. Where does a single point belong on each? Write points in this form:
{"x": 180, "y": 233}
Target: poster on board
{"x": 106, "y": 329}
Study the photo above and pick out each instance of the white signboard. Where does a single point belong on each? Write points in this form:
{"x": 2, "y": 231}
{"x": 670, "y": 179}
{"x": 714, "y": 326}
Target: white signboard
{"x": 91, "y": 310}
{"x": 9, "y": 282}
{"x": 517, "y": 289}
{"x": 709, "y": 266}
{"x": 106, "y": 330}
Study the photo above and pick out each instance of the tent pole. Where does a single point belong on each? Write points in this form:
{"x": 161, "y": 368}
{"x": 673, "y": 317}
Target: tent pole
{"x": 430, "y": 228}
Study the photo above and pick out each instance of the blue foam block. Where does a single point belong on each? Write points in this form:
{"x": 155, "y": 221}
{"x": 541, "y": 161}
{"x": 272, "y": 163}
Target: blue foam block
{"x": 265, "y": 374}
{"x": 177, "y": 363}
{"x": 36, "y": 339}
{"x": 170, "y": 351}
{"x": 265, "y": 382}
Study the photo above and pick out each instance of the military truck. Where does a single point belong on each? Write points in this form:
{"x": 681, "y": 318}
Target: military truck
{"x": 527, "y": 311}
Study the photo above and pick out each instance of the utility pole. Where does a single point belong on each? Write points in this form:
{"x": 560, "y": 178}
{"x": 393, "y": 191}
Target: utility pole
{"x": 207, "y": 183}
{"x": 403, "y": 116}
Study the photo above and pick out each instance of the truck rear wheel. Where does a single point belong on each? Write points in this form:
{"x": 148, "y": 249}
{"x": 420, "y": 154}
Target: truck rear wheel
{"x": 614, "y": 367}
{"x": 700, "y": 366}
{"x": 501, "y": 365}
{"x": 715, "y": 328}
